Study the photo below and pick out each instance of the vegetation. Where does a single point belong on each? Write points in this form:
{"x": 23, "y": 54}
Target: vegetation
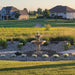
{"x": 17, "y": 15}
{"x": 66, "y": 55}
{"x": 18, "y": 53}
{"x": 55, "y": 55}
{"x": 19, "y": 46}
{"x": 25, "y": 33}
{"x": 67, "y": 46}
{"x": 37, "y": 68}
{"x": 3, "y": 43}
{"x": 65, "y": 39}
{"x": 45, "y": 55}
{"x": 34, "y": 55}
{"x": 24, "y": 55}
{"x": 31, "y": 23}
{"x": 47, "y": 27}
{"x": 46, "y": 13}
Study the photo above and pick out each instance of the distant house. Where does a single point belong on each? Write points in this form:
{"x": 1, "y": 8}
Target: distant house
{"x": 8, "y": 13}
{"x": 62, "y": 12}
{"x": 0, "y": 15}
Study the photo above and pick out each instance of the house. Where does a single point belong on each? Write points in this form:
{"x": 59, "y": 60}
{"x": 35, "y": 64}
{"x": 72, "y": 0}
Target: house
{"x": 62, "y": 12}
{"x": 0, "y": 15}
{"x": 8, "y": 13}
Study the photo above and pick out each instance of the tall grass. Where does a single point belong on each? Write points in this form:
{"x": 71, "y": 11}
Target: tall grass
{"x": 9, "y": 33}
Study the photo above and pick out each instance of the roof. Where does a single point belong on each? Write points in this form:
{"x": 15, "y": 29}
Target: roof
{"x": 11, "y": 8}
{"x": 62, "y": 9}
{"x": 14, "y": 10}
{"x": 23, "y": 12}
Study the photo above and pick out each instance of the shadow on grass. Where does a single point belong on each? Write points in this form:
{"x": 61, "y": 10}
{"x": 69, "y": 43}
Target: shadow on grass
{"x": 38, "y": 67}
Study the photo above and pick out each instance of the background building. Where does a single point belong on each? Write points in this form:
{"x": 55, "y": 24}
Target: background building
{"x": 62, "y": 12}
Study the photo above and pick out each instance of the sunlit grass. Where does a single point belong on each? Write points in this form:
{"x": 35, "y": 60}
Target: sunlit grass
{"x": 37, "y": 68}
{"x": 9, "y": 33}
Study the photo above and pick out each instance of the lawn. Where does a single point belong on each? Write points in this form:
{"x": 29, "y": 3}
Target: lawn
{"x": 32, "y": 22}
{"x": 37, "y": 68}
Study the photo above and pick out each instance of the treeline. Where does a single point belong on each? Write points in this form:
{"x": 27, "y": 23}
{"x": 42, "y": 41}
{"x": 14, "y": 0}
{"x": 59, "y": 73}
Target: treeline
{"x": 39, "y": 13}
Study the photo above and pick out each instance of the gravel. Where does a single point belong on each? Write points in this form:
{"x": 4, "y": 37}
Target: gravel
{"x": 31, "y": 47}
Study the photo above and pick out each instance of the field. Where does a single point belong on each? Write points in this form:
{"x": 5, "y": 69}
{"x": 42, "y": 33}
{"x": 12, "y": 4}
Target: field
{"x": 37, "y": 68}
{"x": 25, "y": 28}
{"x": 9, "y": 33}
{"x": 32, "y": 22}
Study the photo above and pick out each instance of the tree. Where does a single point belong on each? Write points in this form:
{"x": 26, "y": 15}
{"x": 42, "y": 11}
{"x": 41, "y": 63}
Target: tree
{"x": 39, "y": 11}
{"x": 26, "y": 9}
{"x": 17, "y": 15}
{"x": 32, "y": 12}
{"x": 46, "y": 13}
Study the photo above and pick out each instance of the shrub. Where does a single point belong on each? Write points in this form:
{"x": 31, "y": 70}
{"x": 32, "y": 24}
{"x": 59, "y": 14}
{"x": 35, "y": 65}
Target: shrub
{"x": 40, "y": 17}
{"x": 22, "y": 41}
{"x": 66, "y": 55}
{"x": 3, "y": 43}
{"x": 67, "y": 46}
{"x": 24, "y": 55}
{"x": 20, "y": 46}
{"x": 64, "y": 38}
{"x": 16, "y": 39}
{"x": 47, "y": 27}
{"x": 2, "y": 55}
{"x": 30, "y": 39}
{"x": 47, "y": 41}
{"x": 45, "y": 55}
{"x": 34, "y": 55}
{"x": 13, "y": 55}
{"x": 55, "y": 55}
{"x": 18, "y": 53}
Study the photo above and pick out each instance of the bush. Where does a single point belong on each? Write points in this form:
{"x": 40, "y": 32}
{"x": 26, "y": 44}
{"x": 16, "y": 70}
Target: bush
{"x": 13, "y": 55}
{"x": 24, "y": 41}
{"x": 55, "y": 55}
{"x": 18, "y": 53}
{"x": 40, "y": 17}
{"x": 3, "y": 43}
{"x": 16, "y": 39}
{"x": 47, "y": 27}
{"x": 34, "y": 55}
{"x": 66, "y": 55}
{"x": 47, "y": 41}
{"x": 30, "y": 39}
{"x": 45, "y": 55}
{"x": 67, "y": 46}
{"x": 20, "y": 46}
{"x": 2, "y": 55}
{"x": 64, "y": 38}
{"x": 24, "y": 55}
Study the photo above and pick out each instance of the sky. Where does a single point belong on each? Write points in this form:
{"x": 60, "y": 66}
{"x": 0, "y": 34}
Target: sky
{"x": 34, "y": 4}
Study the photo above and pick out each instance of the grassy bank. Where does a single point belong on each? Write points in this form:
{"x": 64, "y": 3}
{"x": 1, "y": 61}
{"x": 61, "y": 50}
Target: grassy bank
{"x": 37, "y": 68}
{"x": 32, "y": 22}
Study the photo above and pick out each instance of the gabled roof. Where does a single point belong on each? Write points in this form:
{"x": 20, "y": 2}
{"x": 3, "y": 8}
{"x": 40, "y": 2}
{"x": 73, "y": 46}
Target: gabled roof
{"x": 14, "y": 10}
{"x": 23, "y": 12}
{"x": 10, "y": 8}
{"x": 62, "y": 9}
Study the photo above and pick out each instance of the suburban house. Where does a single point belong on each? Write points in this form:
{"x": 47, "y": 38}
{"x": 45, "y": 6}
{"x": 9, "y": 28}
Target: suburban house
{"x": 62, "y": 12}
{"x": 8, "y": 13}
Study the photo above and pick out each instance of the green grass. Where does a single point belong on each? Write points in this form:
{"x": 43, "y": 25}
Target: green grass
{"x": 9, "y": 33}
{"x": 37, "y": 68}
{"x": 32, "y": 22}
